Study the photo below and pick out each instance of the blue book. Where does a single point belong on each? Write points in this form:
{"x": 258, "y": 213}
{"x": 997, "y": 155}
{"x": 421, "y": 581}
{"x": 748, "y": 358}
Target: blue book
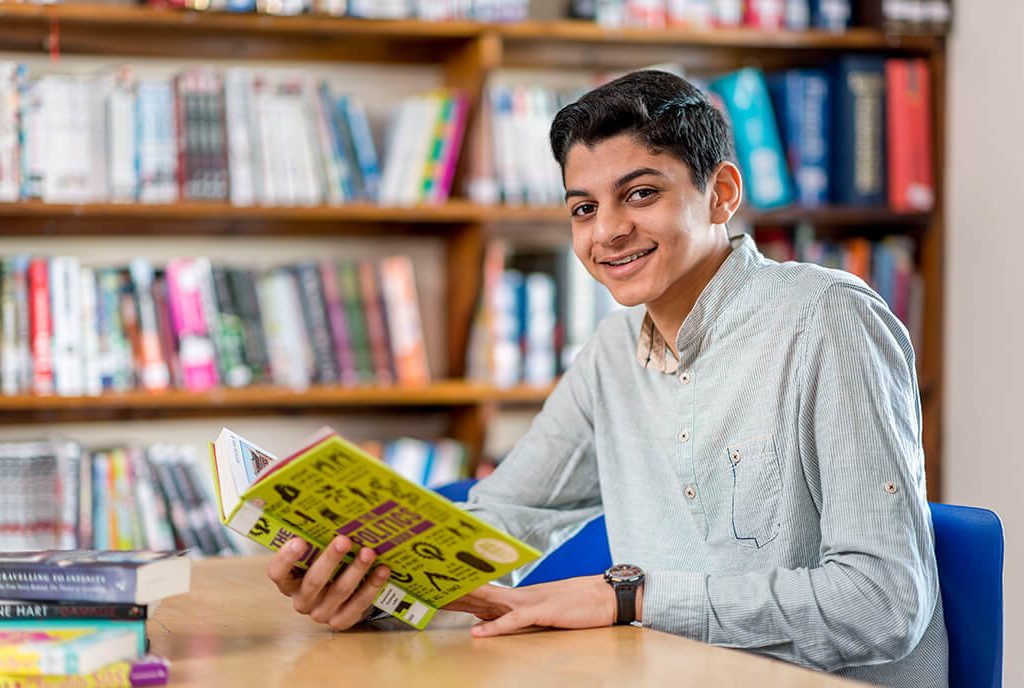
{"x": 830, "y": 15}
{"x": 859, "y": 160}
{"x": 363, "y": 148}
{"x": 756, "y": 135}
{"x": 803, "y": 108}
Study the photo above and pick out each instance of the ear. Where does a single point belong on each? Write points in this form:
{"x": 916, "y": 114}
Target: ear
{"x": 726, "y": 188}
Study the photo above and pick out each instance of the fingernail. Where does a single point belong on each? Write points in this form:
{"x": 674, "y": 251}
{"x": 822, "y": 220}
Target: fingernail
{"x": 381, "y": 574}
{"x": 296, "y": 545}
{"x": 340, "y": 544}
{"x": 366, "y": 555}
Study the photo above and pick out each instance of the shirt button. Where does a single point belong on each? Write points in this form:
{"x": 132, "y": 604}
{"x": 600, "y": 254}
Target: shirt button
{"x": 684, "y": 436}
{"x": 690, "y": 492}
{"x": 735, "y": 456}
{"x": 684, "y": 377}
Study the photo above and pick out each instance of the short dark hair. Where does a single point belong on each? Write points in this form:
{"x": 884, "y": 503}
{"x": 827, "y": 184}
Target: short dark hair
{"x": 662, "y": 111}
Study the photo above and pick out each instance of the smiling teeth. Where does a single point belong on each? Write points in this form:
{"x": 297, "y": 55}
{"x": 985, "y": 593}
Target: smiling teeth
{"x": 629, "y": 259}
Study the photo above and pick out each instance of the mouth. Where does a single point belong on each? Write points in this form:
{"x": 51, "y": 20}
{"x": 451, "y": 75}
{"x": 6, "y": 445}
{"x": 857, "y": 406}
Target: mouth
{"x": 625, "y": 260}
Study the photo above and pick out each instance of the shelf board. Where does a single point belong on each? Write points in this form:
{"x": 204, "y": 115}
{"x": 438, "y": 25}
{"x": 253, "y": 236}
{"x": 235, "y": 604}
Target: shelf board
{"x": 34, "y": 217}
{"x": 197, "y": 217}
{"x": 856, "y": 38}
{"x": 443, "y": 394}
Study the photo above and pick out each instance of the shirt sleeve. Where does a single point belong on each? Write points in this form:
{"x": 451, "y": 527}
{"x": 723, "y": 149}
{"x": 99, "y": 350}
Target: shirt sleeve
{"x": 873, "y": 592}
{"x": 547, "y": 486}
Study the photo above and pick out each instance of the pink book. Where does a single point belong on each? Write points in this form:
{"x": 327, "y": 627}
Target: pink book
{"x": 195, "y": 347}
{"x": 452, "y": 145}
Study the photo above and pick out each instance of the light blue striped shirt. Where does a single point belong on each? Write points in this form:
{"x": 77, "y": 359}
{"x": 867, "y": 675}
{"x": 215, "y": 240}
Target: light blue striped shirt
{"x": 770, "y": 483}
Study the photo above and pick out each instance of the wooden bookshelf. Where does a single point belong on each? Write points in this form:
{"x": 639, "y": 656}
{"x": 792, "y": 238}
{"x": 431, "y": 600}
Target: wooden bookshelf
{"x": 465, "y": 53}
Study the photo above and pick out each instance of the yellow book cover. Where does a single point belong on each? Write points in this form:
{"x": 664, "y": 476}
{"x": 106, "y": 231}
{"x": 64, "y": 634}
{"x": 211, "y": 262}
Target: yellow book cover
{"x": 436, "y": 551}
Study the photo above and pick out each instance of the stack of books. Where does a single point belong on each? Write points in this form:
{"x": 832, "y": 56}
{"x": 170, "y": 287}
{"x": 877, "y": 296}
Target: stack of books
{"x": 78, "y": 618}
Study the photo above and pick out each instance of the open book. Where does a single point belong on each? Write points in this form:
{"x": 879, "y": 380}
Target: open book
{"x": 436, "y": 552}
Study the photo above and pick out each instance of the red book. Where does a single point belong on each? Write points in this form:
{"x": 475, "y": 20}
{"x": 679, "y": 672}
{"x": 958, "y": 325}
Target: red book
{"x": 40, "y": 325}
{"x": 768, "y": 15}
{"x": 909, "y": 126}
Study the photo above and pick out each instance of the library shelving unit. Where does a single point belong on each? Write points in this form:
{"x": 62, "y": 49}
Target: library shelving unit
{"x": 466, "y": 53}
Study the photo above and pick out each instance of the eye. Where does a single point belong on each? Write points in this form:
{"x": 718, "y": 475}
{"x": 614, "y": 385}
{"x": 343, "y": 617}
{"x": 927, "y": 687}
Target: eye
{"x": 641, "y": 193}
{"x": 583, "y": 209}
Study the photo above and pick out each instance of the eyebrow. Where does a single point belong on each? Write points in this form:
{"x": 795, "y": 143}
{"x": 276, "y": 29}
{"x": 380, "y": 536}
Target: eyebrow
{"x": 620, "y": 182}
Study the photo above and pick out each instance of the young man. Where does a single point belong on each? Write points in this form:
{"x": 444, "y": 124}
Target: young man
{"x": 752, "y": 435}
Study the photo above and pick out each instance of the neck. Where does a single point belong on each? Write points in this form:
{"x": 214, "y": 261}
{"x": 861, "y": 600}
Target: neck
{"x": 671, "y": 310}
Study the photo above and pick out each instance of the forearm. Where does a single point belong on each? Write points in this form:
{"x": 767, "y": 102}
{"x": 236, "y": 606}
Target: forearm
{"x": 826, "y": 618}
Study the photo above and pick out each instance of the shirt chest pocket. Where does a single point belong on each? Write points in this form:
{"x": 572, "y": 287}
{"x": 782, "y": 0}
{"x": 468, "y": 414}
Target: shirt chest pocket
{"x": 756, "y": 490}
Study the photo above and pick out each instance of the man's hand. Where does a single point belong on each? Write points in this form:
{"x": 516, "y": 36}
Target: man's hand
{"x": 585, "y": 602}
{"x": 341, "y": 603}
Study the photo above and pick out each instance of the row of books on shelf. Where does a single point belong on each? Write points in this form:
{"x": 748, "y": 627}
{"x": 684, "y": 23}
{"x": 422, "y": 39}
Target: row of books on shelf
{"x": 424, "y": 10}
{"x": 57, "y": 494}
{"x": 254, "y": 137}
{"x": 910, "y": 16}
{"x": 71, "y": 330}
{"x": 537, "y": 308}
{"x": 858, "y": 133}
{"x": 887, "y": 265}
{"x": 78, "y": 618}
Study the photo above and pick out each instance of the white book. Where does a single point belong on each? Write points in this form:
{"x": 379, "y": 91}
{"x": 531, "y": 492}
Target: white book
{"x": 539, "y": 360}
{"x": 432, "y": 108}
{"x": 397, "y": 142}
{"x": 157, "y": 141}
{"x": 65, "y": 318}
{"x": 11, "y": 77}
{"x": 506, "y": 150}
{"x": 237, "y": 89}
{"x": 121, "y": 139}
{"x": 508, "y": 354}
{"x": 268, "y": 167}
{"x": 580, "y": 309}
{"x": 728, "y": 12}
{"x": 312, "y": 178}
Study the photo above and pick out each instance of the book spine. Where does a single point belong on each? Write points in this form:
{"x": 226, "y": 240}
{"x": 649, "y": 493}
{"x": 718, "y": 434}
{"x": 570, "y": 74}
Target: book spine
{"x": 376, "y": 322}
{"x": 47, "y": 582}
{"x": 314, "y": 310}
{"x": 40, "y": 326}
{"x": 352, "y": 300}
{"x": 230, "y": 331}
{"x": 408, "y": 349}
{"x": 908, "y": 110}
{"x": 339, "y": 324}
{"x": 758, "y": 147}
{"x": 243, "y": 294}
{"x": 860, "y": 132}
{"x": 145, "y": 671}
{"x": 33, "y": 609}
{"x": 363, "y": 147}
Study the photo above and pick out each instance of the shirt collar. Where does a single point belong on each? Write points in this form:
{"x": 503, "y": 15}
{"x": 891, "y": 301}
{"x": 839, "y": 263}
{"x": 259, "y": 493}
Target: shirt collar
{"x": 652, "y": 350}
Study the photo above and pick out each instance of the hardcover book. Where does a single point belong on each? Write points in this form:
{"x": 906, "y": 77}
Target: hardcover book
{"x": 436, "y": 552}
{"x": 137, "y": 577}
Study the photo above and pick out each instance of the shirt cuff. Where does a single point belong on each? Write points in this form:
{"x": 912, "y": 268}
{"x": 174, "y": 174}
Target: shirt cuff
{"x": 676, "y": 602}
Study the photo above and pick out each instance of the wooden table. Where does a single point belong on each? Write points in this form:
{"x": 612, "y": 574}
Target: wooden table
{"x": 235, "y": 629}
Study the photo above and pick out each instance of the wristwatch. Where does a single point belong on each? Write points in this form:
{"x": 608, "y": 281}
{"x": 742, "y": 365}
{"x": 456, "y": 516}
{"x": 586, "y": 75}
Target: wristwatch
{"x": 625, "y": 580}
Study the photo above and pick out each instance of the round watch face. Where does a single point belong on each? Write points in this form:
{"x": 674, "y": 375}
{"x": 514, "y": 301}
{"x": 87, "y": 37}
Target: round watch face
{"x": 624, "y": 572}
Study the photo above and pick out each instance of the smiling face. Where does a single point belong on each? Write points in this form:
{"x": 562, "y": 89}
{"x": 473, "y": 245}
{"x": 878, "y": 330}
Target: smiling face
{"x": 642, "y": 228}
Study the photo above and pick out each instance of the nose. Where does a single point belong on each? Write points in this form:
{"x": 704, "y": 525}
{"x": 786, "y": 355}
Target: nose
{"x": 611, "y": 225}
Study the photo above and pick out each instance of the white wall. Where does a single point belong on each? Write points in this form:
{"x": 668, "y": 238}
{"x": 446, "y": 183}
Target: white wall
{"x": 983, "y": 464}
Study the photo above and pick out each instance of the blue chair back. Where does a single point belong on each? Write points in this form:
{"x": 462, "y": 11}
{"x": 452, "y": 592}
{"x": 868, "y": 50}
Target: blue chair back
{"x": 969, "y": 551}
